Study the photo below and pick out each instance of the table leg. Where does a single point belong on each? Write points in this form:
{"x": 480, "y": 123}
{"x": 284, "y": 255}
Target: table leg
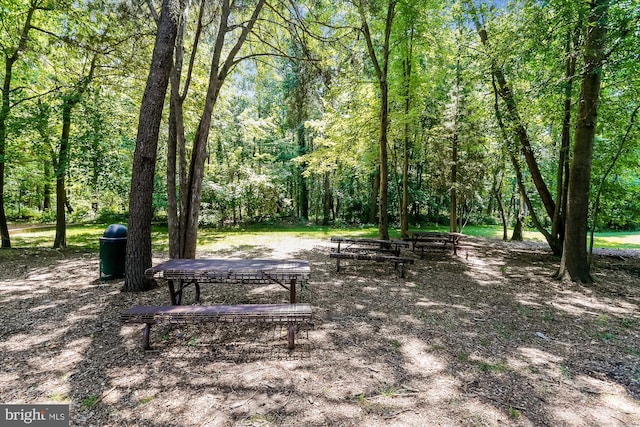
{"x": 292, "y": 291}
{"x": 290, "y": 336}
{"x": 172, "y": 292}
{"x": 146, "y": 333}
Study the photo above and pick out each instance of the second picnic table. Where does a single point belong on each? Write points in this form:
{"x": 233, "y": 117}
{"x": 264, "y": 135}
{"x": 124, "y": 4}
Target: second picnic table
{"x": 370, "y": 250}
{"x": 435, "y": 239}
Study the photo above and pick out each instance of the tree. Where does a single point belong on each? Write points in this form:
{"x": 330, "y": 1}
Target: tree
{"x": 575, "y": 261}
{"x": 380, "y": 62}
{"x": 69, "y": 101}
{"x": 12, "y": 51}
{"x": 138, "y": 250}
{"x": 219, "y": 70}
{"x": 518, "y": 127}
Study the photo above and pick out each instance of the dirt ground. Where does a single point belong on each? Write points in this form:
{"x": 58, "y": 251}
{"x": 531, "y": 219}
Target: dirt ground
{"x": 484, "y": 338}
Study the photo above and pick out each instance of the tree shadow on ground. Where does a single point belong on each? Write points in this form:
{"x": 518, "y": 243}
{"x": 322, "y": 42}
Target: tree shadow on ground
{"x": 486, "y": 337}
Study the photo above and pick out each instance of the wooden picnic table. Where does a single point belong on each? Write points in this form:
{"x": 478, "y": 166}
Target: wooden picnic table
{"x": 365, "y": 249}
{"x": 353, "y": 244}
{"x": 180, "y": 273}
{"x": 435, "y": 239}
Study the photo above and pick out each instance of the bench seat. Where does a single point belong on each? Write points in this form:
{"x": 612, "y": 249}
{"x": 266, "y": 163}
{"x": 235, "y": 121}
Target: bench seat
{"x": 397, "y": 260}
{"x": 182, "y": 314}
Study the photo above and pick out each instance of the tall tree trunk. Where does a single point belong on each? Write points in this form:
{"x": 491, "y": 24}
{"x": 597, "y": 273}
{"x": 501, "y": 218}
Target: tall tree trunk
{"x": 375, "y": 190}
{"x": 575, "y": 261}
{"x": 327, "y": 201}
{"x": 497, "y": 192}
{"x": 176, "y": 149}
{"x": 518, "y": 228}
{"x": 518, "y": 127}
{"x": 404, "y": 206}
{"x": 562, "y": 185}
{"x": 218, "y": 73}
{"x": 303, "y": 189}
{"x": 453, "y": 211}
{"x": 381, "y": 67}
{"x": 62, "y": 163}
{"x": 68, "y": 103}
{"x": 138, "y": 257}
{"x": 5, "y": 110}
{"x": 554, "y": 243}
{"x": 383, "y": 215}
{"x": 46, "y": 196}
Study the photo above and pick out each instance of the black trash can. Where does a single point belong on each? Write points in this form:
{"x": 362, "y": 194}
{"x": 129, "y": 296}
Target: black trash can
{"x": 113, "y": 247}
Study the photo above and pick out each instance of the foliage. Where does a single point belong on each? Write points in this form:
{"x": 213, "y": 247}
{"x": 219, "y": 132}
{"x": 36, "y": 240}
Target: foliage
{"x": 302, "y": 114}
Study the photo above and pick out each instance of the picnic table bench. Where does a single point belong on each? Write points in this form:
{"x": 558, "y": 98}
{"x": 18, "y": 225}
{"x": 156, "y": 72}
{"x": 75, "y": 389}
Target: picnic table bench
{"x": 364, "y": 249}
{"x": 434, "y": 240}
{"x": 289, "y": 314}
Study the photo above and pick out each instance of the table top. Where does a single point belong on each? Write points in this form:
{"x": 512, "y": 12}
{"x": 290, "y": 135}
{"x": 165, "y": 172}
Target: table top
{"x": 436, "y": 234}
{"x": 231, "y": 269}
{"x": 368, "y": 241}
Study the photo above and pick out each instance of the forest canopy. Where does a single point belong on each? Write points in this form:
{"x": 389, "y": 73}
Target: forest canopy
{"x": 295, "y": 131}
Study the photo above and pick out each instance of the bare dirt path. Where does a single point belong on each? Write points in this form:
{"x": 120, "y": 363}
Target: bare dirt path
{"x": 484, "y": 338}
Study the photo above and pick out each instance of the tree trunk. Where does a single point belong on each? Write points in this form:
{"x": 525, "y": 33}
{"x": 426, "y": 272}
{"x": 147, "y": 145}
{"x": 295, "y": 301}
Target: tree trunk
{"x": 381, "y": 66}
{"x": 375, "y": 190}
{"x": 554, "y": 243}
{"x": 562, "y": 186}
{"x": 303, "y": 189}
{"x": 497, "y": 192}
{"x": 138, "y": 251}
{"x": 383, "y": 215}
{"x": 68, "y": 103}
{"x": 517, "y": 229}
{"x": 521, "y": 133}
{"x": 46, "y": 196}
{"x": 453, "y": 211}
{"x": 176, "y": 149}
{"x": 217, "y": 75}
{"x": 5, "y": 110}
{"x": 60, "y": 240}
{"x": 327, "y": 201}
{"x": 575, "y": 261}
{"x": 404, "y": 207}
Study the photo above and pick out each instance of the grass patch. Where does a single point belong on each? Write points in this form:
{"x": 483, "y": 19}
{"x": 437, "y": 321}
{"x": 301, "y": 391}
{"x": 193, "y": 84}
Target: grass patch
{"x": 462, "y": 356}
{"x": 514, "y": 413}
{"x": 90, "y": 402}
{"x": 145, "y": 401}
{"x": 566, "y": 373}
{"x": 395, "y": 344}
{"x": 499, "y": 367}
{"x": 58, "y": 397}
{"x": 85, "y": 237}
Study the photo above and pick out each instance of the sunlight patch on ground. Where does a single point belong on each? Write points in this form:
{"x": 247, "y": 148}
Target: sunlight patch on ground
{"x": 23, "y": 342}
{"x": 536, "y": 356}
{"x": 419, "y": 359}
{"x": 602, "y": 409}
{"x": 483, "y": 272}
{"x": 67, "y": 359}
{"x": 280, "y": 246}
{"x": 578, "y": 304}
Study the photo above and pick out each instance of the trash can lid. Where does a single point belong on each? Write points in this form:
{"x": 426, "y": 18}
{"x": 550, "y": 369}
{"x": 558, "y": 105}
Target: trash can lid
{"x": 115, "y": 230}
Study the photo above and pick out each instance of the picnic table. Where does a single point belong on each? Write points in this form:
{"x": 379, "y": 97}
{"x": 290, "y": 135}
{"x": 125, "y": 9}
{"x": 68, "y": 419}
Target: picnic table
{"x": 181, "y": 273}
{"x": 435, "y": 240}
{"x": 365, "y": 249}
